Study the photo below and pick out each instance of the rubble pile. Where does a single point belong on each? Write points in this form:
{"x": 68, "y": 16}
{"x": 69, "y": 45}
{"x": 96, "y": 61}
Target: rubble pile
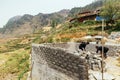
{"x": 114, "y": 35}
{"x": 94, "y": 60}
{"x": 95, "y": 66}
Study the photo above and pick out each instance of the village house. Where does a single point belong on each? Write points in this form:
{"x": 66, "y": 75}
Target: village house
{"x": 88, "y": 15}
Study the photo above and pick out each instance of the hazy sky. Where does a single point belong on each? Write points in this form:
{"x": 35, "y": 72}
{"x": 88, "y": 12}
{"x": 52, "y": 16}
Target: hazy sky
{"x": 11, "y": 8}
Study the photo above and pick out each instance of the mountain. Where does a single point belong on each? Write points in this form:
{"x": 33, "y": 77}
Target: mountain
{"x": 27, "y": 23}
{"x": 93, "y": 6}
{"x": 14, "y": 18}
{"x": 64, "y": 12}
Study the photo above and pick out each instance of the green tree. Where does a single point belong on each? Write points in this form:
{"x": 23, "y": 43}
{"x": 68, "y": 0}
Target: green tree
{"x": 54, "y": 23}
{"x": 111, "y": 10}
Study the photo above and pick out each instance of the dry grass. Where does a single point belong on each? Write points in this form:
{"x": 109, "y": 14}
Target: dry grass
{"x": 15, "y": 63}
{"x": 71, "y": 35}
{"x": 14, "y": 60}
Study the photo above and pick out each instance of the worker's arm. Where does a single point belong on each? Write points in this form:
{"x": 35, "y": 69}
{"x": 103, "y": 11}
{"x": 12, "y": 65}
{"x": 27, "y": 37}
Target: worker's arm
{"x": 97, "y": 51}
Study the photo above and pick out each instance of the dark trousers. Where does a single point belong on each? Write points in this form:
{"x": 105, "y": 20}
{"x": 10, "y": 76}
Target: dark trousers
{"x": 104, "y": 55}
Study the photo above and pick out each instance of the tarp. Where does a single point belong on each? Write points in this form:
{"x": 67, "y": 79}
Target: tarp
{"x": 98, "y": 18}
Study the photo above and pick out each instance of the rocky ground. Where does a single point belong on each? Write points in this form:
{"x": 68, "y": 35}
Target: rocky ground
{"x": 112, "y": 70}
{"x": 112, "y": 67}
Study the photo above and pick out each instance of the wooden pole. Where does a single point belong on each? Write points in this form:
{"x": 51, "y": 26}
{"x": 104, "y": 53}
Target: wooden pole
{"x": 102, "y": 50}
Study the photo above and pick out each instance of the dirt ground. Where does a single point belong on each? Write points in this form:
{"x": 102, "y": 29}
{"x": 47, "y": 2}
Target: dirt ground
{"x": 112, "y": 67}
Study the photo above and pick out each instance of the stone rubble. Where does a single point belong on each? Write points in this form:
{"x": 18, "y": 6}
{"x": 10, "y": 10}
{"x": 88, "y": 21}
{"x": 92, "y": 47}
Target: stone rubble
{"x": 114, "y": 35}
{"x": 93, "y": 60}
{"x": 94, "y": 63}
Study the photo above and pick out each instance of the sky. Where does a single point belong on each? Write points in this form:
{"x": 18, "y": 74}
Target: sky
{"x": 11, "y": 8}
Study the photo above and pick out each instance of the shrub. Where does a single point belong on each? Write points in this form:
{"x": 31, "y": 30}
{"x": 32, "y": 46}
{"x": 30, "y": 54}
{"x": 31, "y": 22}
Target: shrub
{"x": 65, "y": 39}
{"x": 89, "y": 22}
{"x": 49, "y": 40}
{"x": 118, "y": 26}
{"x": 17, "y": 63}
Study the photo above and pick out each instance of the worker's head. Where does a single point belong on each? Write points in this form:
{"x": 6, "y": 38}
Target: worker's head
{"x": 96, "y": 47}
{"x": 87, "y": 42}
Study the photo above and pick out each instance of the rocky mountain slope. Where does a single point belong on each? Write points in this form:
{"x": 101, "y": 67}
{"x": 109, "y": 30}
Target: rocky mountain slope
{"x": 26, "y": 24}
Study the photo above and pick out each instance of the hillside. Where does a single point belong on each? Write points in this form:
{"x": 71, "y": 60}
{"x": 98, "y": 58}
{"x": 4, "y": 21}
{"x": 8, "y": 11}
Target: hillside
{"x": 20, "y": 25}
{"x": 26, "y": 24}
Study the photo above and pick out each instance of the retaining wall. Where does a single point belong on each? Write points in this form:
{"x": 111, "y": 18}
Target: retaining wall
{"x": 61, "y": 61}
{"x": 53, "y": 63}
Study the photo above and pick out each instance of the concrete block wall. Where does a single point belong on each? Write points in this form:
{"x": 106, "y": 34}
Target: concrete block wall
{"x": 60, "y": 45}
{"x": 54, "y": 63}
{"x": 58, "y": 61}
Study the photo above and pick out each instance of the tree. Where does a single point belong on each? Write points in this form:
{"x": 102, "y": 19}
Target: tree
{"x": 54, "y": 23}
{"x": 111, "y": 10}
